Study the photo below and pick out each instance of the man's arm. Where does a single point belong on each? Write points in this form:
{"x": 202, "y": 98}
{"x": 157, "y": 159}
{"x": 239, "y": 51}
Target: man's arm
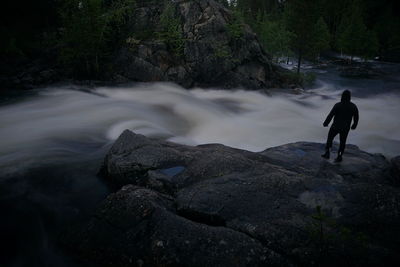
{"x": 330, "y": 116}
{"x": 355, "y": 118}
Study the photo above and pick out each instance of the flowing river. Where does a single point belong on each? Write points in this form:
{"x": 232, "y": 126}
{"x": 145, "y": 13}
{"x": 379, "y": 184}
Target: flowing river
{"x": 53, "y": 140}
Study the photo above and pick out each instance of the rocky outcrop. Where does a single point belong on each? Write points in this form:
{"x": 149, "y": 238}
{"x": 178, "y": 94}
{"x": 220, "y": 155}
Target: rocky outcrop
{"x": 395, "y": 170}
{"x": 25, "y": 74}
{"x": 217, "y": 48}
{"x": 140, "y": 227}
{"x": 207, "y": 45}
{"x": 211, "y": 204}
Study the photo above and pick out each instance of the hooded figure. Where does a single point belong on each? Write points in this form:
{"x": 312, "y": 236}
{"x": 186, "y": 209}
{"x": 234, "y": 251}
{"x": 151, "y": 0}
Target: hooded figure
{"x": 342, "y": 113}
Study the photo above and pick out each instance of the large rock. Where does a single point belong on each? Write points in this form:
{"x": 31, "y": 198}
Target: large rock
{"x": 214, "y": 52}
{"x": 395, "y": 170}
{"x": 137, "y": 226}
{"x": 303, "y": 157}
{"x": 26, "y": 74}
{"x": 216, "y": 205}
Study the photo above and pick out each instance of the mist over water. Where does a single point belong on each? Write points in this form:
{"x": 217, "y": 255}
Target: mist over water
{"x": 251, "y": 120}
{"x": 60, "y": 123}
{"x": 52, "y": 142}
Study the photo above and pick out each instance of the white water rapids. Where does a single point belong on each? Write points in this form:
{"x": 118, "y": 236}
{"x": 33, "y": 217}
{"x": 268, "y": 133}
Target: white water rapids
{"x": 53, "y": 141}
{"x": 61, "y": 122}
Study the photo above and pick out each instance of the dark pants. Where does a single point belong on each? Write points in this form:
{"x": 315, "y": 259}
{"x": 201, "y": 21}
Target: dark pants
{"x": 343, "y": 136}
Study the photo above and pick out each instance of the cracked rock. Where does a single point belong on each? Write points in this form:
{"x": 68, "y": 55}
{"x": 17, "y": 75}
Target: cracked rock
{"x": 220, "y": 206}
{"x": 209, "y": 56}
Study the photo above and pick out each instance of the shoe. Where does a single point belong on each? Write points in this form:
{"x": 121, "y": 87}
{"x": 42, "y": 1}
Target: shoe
{"x": 326, "y": 155}
{"x": 339, "y": 158}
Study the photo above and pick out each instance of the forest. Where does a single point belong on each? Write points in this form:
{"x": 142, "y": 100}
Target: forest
{"x": 79, "y": 36}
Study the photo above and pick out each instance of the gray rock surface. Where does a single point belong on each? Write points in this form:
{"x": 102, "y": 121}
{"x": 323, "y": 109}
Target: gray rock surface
{"x": 140, "y": 226}
{"x": 211, "y": 55}
{"x": 216, "y": 205}
{"x": 303, "y": 157}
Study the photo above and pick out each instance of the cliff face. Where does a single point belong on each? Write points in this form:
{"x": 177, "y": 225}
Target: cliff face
{"x": 216, "y": 48}
{"x": 218, "y": 206}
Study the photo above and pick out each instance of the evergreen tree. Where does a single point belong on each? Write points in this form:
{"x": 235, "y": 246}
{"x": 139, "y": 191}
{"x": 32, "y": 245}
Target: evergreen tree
{"x": 389, "y": 36}
{"x": 87, "y": 28}
{"x": 171, "y": 32}
{"x": 370, "y": 45}
{"x": 301, "y": 18}
{"x": 333, "y": 13}
{"x": 235, "y": 25}
{"x": 275, "y": 37}
{"x": 252, "y": 8}
{"x": 321, "y": 38}
{"x": 354, "y": 37}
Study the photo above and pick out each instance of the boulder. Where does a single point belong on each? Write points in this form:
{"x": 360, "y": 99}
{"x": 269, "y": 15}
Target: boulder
{"x": 395, "y": 170}
{"x": 217, "y": 48}
{"x": 139, "y": 227}
{"x": 212, "y": 204}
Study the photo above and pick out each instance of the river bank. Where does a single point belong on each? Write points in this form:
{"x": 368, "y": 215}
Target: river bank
{"x": 211, "y": 204}
{"x": 53, "y": 140}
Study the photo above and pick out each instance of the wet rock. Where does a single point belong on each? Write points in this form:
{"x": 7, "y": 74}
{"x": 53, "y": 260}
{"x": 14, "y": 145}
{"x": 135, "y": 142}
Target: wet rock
{"x": 358, "y": 166}
{"x": 286, "y": 204}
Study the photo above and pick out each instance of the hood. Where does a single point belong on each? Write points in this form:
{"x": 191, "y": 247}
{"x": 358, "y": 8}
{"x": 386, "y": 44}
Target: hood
{"x": 346, "y": 96}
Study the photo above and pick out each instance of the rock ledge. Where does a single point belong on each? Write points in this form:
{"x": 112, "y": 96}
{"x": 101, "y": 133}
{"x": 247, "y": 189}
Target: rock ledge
{"x": 219, "y": 206}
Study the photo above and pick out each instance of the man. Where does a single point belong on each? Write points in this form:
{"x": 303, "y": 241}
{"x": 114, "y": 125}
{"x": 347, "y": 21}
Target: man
{"x": 343, "y": 113}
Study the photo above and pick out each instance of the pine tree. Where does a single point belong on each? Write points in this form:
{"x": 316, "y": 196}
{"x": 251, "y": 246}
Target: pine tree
{"x": 354, "y": 36}
{"x": 86, "y": 30}
{"x": 301, "y": 17}
{"x": 370, "y": 45}
{"x": 171, "y": 31}
{"x": 275, "y": 37}
{"x": 251, "y": 8}
{"x": 321, "y": 38}
{"x": 333, "y": 13}
{"x": 389, "y": 36}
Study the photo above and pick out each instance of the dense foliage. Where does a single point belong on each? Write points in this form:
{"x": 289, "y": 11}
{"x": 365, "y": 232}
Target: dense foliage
{"x": 88, "y": 28}
{"x": 84, "y": 33}
{"x": 305, "y": 28}
{"x": 171, "y": 30}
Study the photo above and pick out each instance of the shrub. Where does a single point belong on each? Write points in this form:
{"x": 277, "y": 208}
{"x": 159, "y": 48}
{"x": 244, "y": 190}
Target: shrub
{"x": 87, "y": 28}
{"x": 235, "y": 25}
{"x": 171, "y": 30}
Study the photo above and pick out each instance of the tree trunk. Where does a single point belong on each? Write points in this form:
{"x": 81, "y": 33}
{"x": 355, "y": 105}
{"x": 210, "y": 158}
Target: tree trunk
{"x": 87, "y": 67}
{"x": 97, "y": 64}
{"x": 299, "y": 62}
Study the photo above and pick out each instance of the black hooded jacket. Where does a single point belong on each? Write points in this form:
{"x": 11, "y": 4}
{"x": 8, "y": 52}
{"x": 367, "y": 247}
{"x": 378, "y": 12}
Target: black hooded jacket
{"x": 343, "y": 112}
